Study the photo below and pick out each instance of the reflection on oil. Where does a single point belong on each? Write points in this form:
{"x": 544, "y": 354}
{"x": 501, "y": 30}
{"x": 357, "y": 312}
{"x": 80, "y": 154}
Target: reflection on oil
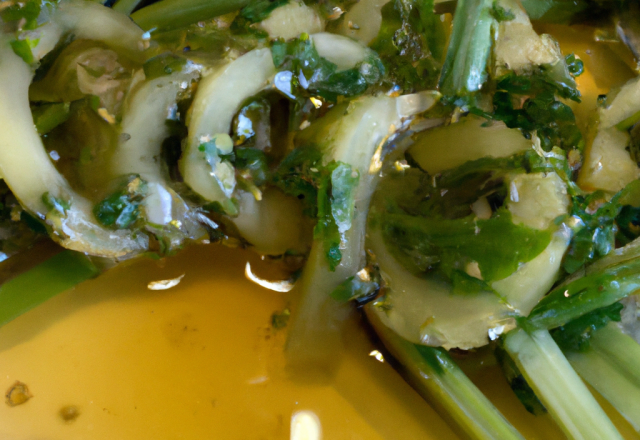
{"x": 165, "y": 284}
{"x": 200, "y": 360}
{"x": 276, "y": 286}
{"x": 377, "y": 355}
{"x": 305, "y": 425}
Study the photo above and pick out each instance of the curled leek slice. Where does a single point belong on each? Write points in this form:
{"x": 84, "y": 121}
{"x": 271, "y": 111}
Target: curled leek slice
{"x": 143, "y": 129}
{"x": 353, "y": 135}
{"x": 218, "y": 98}
{"x": 92, "y": 21}
{"x": 24, "y": 164}
{"x": 220, "y": 95}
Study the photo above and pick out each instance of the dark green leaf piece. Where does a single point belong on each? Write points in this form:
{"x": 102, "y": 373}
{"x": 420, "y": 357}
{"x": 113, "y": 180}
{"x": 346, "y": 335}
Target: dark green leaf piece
{"x": 121, "y": 209}
{"x": 305, "y": 73}
{"x": 575, "y": 65}
{"x": 359, "y": 289}
{"x": 299, "y": 175}
{"x": 553, "y": 121}
{"x": 410, "y": 44}
{"x": 576, "y": 335}
{"x": 500, "y": 13}
{"x": 498, "y": 245}
{"x": 258, "y": 10}
{"x": 585, "y": 294}
{"x": 326, "y": 191}
{"x": 518, "y": 383}
{"x": 603, "y": 221}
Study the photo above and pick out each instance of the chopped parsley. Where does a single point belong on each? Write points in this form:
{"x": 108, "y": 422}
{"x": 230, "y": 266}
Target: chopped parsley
{"x": 121, "y": 209}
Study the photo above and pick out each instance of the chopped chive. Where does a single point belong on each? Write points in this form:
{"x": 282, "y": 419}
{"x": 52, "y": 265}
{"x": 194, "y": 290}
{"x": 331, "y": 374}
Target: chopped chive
{"x": 169, "y": 14}
{"x": 558, "y": 386}
{"x": 44, "y": 281}
{"x": 437, "y": 378}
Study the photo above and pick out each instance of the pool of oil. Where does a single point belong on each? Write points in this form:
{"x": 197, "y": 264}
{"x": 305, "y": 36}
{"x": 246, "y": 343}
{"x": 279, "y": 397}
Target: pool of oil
{"x": 202, "y": 361}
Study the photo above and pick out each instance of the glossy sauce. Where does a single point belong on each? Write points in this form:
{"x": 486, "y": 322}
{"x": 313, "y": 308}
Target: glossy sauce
{"x": 196, "y": 361}
{"x": 202, "y": 361}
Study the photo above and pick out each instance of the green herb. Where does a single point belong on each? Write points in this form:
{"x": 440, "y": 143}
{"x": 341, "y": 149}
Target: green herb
{"x": 172, "y": 14}
{"x": 48, "y": 116}
{"x": 326, "y": 229}
{"x": 576, "y": 335}
{"x": 29, "y": 11}
{"x": 344, "y": 181}
{"x": 336, "y": 205}
{"x": 553, "y": 121}
{"x": 299, "y": 175}
{"x": 464, "y": 284}
{"x": 500, "y": 13}
{"x": 498, "y": 245}
{"x": 121, "y": 209}
{"x": 597, "y": 237}
{"x": 258, "y": 10}
{"x": 410, "y": 44}
{"x": 358, "y": 289}
{"x": 306, "y": 73}
{"x": 56, "y": 204}
{"x": 326, "y": 191}
{"x": 219, "y": 155}
{"x": 23, "y": 48}
{"x": 575, "y": 65}
{"x": 603, "y": 221}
